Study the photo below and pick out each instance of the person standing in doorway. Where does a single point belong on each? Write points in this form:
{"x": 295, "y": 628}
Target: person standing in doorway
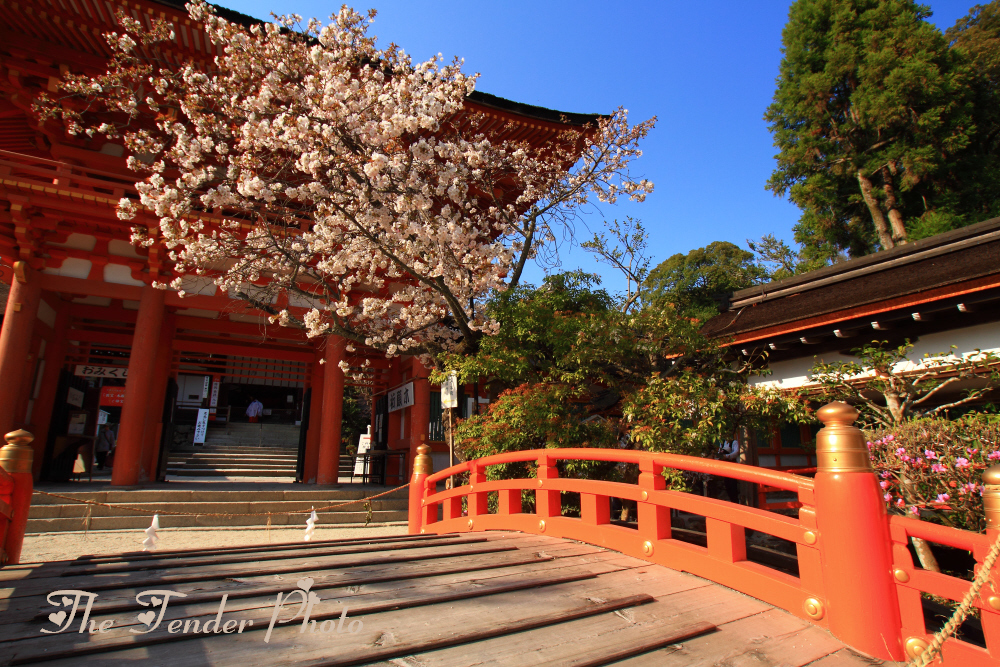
{"x": 105, "y": 443}
{"x": 730, "y": 451}
{"x": 254, "y": 410}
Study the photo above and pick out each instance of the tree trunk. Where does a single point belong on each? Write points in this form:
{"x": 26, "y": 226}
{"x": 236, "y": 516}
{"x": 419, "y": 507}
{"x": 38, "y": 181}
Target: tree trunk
{"x": 924, "y": 553}
{"x": 892, "y": 203}
{"x": 881, "y": 226}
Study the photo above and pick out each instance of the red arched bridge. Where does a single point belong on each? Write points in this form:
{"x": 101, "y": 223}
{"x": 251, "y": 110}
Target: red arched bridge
{"x": 493, "y": 572}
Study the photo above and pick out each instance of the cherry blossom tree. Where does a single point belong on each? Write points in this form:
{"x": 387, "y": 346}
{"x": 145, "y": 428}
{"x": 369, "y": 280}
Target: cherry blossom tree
{"x": 307, "y": 162}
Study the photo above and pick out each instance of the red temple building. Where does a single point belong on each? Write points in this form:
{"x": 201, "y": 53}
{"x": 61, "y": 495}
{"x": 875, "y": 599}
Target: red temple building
{"x": 85, "y": 336}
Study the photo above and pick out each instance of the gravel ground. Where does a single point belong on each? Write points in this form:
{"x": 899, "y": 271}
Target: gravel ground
{"x": 45, "y": 547}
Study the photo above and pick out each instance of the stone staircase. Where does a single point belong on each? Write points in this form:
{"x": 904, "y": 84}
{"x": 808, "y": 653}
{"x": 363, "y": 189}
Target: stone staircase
{"x": 49, "y": 514}
{"x": 239, "y": 451}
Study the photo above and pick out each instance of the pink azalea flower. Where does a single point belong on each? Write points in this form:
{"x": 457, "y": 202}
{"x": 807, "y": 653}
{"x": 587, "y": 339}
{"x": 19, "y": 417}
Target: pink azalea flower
{"x": 887, "y": 497}
{"x": 884, "y": 485}
{"x": 900, "y": 503}
{"x": 902, "y": 452}
{"x": 890, "y": 438}
{"x": 961, "y": 463}
{"x": 971, "y": 452}
{"x": 943, "y": 498}
{"x": 930, "y": 454}
{"x": 937, "y": 467}
{"x": 994, "y": 455}
{"x": 914, "y": 511}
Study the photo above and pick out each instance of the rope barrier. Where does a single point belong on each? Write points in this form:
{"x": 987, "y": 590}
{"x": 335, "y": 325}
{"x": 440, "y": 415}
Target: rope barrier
{"x": 956, "y": 620}
{"x": 142, "y": 510}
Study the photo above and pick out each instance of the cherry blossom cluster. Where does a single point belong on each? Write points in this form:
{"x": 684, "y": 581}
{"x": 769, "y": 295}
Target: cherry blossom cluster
{"x": 307, "y": 163}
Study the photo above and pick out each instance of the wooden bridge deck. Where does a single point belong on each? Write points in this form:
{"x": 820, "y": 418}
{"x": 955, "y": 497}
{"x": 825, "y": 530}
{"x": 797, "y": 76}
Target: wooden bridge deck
{"x": 430, "y": 601}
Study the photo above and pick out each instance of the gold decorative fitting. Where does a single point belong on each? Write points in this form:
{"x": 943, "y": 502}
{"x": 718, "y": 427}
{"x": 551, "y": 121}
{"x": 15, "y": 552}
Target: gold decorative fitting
{"x": 994, "y": 602}
{"x": 540, "y": 482}
{"x": 21, "y": 271}
{"x": 809, "y": 537}
{"x": 840, "y": 446}
{"x": 17, "y": 306}
{"x": 423, "y": 530}
{"x": 647, "y": 548}
{"x": 914, "y": 646}
{"x": 470, "y": 524}
{"x": 17, "y": 455}
{"x": 541, "y": 526}
{"x": 814, "y": 609}
{"x": 422, "y": 464}
{"x": 991, "y": 496}
{"x": 901, "y": 575}
{"x": 472, "y": 487}
{"x": 645, "y": 495}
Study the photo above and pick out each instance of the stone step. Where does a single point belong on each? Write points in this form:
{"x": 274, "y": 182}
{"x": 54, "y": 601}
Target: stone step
{"x": 70, "y": 510}
{"x": 134, "y": 496}
{"x": 168, "y": 521}
{"x": 225, "y": 460}
{"x": 230, "y": 472}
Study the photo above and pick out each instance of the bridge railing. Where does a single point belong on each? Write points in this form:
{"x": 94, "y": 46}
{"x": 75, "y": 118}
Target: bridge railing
{"x": 850, "y": 553}
{"x": 16, "y": 487}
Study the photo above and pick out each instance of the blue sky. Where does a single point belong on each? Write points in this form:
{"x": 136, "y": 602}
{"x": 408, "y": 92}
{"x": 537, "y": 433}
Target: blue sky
{"x": 706, "y": 69}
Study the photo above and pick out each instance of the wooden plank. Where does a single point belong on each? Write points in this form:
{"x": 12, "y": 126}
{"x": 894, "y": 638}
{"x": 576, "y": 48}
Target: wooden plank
{"x": 608, "y": 634}
{"x": 260, "y": 609}
{"x": 773, "y": 637}
{"x": 75, "y": 569}
{"x": 369, "y": 572}
{"x": 209, "y": 573}
{"x": 363, "y": 593}
{"x": 403, "y": 631}
{"x": 845, "y": 657}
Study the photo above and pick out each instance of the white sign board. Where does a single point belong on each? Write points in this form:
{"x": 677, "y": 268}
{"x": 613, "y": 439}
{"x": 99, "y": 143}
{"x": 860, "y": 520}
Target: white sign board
{"x": 449, "y": 391}
{"x": 101, "y": 371}
{"x": 401, "y": 397}
{"x": 102, "y": 417}
{"x": 74, "y": 397}
{"x": 364, "y": 446}
{"x": 201, "y": 426}
{"x": 207, "y": 384}
{"x": 214, "y": 400}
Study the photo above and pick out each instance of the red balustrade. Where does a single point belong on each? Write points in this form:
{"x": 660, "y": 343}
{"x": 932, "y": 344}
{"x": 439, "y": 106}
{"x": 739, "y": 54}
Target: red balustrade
{"x": 855, "y": 573}
{"x": 16, "y": 487}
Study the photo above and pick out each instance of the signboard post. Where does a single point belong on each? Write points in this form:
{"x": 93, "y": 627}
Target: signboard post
{"x": 201, "y": 426}
{"x": 449, "y": 400}
{"x": 361, "y": 466}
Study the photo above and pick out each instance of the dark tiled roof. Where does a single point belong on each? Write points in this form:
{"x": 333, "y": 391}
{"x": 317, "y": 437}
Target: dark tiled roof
{"x": 956, "y": 256}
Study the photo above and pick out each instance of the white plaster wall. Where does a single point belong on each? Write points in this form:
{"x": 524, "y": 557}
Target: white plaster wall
{"x": 792, "y": 373}
{"x": 72, "y": 268}
{"x": 47, "y": 314}
{"x": 120, "y": 274}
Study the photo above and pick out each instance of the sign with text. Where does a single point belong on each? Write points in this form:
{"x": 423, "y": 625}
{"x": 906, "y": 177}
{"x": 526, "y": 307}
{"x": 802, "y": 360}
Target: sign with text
{"x": 87, "y": 371}
{"x": 113, "y": 396}
{"x": 449, "y": 391}
{"x": 214, "y": 400}
{"x": 74, "y": 397}
{"x": 201, "y": 426}
{"x": 401, "y": 397}
{"x": 364, "y": 446}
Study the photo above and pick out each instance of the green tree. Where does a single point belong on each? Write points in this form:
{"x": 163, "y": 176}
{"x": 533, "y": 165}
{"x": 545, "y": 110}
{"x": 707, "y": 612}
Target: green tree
{"x": 871, "y": 112}
{"x": 977, "y": 37}
{"x": 698, "y": 282}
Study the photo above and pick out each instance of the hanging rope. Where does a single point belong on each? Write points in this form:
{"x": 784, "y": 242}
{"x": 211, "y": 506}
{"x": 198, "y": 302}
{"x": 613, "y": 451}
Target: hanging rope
{"x": 961, "y": 612}
{"x": 143, "y": 510}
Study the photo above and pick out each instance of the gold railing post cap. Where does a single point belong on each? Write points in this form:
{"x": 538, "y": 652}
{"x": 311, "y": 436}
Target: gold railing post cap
{"x": 423, "y": 450}
{"x": 837, "y": 413}
{"x": 19, "y": 437}
{"x": 991, "y": 476}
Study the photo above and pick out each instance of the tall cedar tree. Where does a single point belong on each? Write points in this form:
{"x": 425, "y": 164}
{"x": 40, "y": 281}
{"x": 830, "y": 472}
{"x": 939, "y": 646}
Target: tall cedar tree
{"x": 871, "y": 112}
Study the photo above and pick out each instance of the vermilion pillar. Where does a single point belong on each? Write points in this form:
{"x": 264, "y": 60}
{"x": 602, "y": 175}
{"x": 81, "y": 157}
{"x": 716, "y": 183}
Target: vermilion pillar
{"x": 15, "y": 341}
{"x": 420, "y": 411}
{"x": 315, "y": 423}
{"x": 55, "y": 357}
{"x": 138, "y": 388}
{"x": 333, "y": 407}
{"x": 158, "y": 393}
